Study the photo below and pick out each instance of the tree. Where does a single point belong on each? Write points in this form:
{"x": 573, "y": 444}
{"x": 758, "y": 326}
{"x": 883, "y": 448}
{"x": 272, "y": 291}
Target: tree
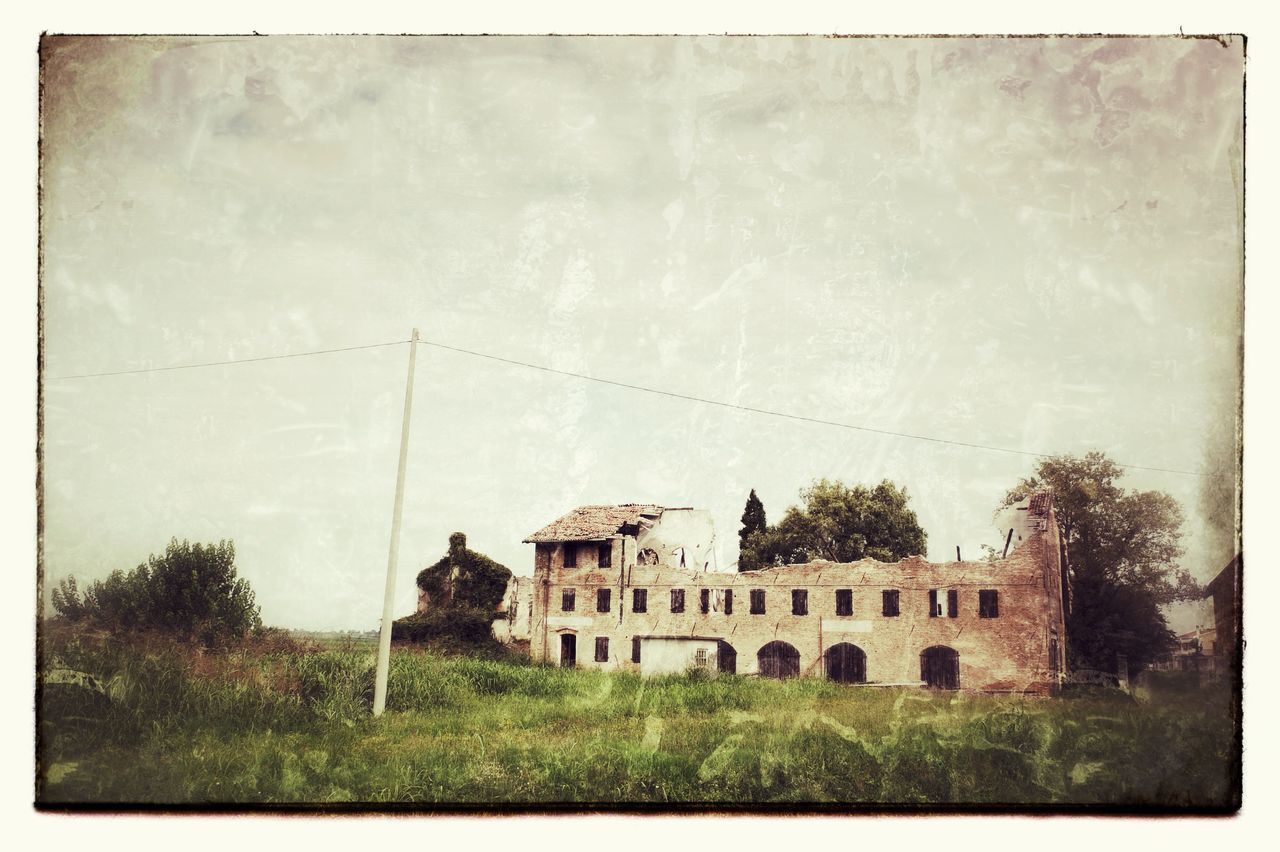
{"x": 753, "y": 519}
{"x": 191, "y": 590}
{"x": 839, "y": 523}
{"x": 1121, "y": 550}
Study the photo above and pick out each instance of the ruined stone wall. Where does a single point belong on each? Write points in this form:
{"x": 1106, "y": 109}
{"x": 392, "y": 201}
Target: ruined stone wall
{"x": 1009, "y": 652}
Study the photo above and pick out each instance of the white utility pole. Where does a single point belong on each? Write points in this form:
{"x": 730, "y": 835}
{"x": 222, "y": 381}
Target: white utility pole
{"x": 388, "y": 601}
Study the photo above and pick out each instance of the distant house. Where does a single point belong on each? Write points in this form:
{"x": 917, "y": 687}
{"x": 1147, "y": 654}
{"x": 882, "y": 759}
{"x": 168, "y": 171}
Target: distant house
{"x": 1196, "y": 651}
{"x": 635, "y": 587}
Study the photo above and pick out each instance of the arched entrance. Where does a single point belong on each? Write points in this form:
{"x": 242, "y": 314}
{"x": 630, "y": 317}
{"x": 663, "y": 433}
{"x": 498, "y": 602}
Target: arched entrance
{"x": 568, "y": 650}
{"x": 727, "y": 657}
{"x": 940, "y": 667}
{"x": 846, "y": 663}
{"x": 778, "y": 659}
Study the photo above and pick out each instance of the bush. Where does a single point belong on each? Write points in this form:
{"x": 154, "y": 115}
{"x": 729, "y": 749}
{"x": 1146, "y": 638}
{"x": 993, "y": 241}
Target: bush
{"x": 192, "y": 590}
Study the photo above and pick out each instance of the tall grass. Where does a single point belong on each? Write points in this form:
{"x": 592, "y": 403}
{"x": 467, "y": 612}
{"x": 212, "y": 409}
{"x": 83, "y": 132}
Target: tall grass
{"x": 151, "y": 723}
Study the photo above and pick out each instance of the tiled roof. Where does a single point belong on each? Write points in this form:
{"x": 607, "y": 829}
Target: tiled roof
{"x": 592, "y": 523}
{"x": 1039, "y": 503}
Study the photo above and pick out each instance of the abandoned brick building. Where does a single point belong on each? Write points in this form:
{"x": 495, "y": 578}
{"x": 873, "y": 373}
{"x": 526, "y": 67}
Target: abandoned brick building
{"x": 610, "y": 591}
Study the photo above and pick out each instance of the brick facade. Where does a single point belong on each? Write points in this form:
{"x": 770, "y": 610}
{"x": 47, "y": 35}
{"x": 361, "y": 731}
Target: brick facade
{"x": 1021, "y": 647}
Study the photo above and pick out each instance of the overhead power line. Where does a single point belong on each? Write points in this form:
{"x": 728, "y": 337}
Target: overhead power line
{"x": 225, "y": 363}
{"x": 771, "y": 413}
{"x": 629, "y": 386}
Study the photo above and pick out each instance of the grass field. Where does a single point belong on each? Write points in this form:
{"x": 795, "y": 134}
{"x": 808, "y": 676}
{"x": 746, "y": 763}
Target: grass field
{"x": 152, "y": 723}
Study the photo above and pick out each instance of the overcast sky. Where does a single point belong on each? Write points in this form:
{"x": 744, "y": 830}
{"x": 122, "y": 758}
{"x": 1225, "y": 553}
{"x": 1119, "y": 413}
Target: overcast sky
{"x": 1030, "y": 244}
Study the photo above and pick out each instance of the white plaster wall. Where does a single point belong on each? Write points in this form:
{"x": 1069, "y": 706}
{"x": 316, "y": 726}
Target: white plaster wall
{"x": 673, "y": 656}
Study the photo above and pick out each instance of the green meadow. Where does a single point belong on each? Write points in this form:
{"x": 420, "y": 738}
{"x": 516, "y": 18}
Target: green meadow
{"x": 275, "y": 722}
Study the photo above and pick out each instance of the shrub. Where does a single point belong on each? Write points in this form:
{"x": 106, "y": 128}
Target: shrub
{"x": 191, "y": 590}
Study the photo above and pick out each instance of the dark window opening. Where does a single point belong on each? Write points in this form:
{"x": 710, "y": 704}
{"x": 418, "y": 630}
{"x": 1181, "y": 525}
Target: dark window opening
{"x": 639, "y": 600}
{"x": 728, "y": 601}
{"x": 635, "y": 649}
{"x": 988, "y": 603}
{"x": 799, "y": 601}
{"x": 757, "y": 601}
{"x": 570, "y": 555}
{"x": 934, "y": 612}
{"x": 603, "y": 602}
{"x": 602, "y": 649}
{"x": 567, "y": 600}
{"x": 677, "y": 600}
{"x": 953, "y": 603}
{"x": 889, "y": 603}
{"x": 606, "y": 554}
{"x": 844, "y": 601}
{"x": 704, "y": 601}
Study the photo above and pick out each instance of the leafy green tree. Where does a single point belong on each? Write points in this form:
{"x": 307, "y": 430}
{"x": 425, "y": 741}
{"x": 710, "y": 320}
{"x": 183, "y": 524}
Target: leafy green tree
{"x": 839, "y": 523}
{"x": 1121, "y": 549}
{"x": 191, "y": 590}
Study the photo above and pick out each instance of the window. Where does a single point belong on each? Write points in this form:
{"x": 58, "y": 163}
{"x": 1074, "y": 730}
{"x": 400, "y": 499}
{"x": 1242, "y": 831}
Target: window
{"x": 935, "y": 605}
{"x": 605, "y": 556}
{"x": 953, "y": 603}
{"x": 603, "y": 603}
{"x": 728, "y": 601}
{"x": 635, "y": 649}
{"x": 566, "y": 600}
{"x": 677, "y": 600}
{"x": 570, "y": 555}
{"x": 700, "y": 658}
{"x": 704, "y": 601}
{"x": 799, "y": 601}
{"x": 889, "y": 603}
{"x": 639, "y": 600}
{"x": 844, "y": 602}
{"x": 602, "y": 649}
{"x": 988, "y": 603}
{"x": 757, "y": 601}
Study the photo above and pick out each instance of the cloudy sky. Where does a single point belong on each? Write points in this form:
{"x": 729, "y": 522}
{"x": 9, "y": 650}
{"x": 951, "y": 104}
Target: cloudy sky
{"x": 1030, "y": 244}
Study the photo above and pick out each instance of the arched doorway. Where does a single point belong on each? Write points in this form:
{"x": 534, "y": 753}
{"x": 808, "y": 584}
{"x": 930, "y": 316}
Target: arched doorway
{"x": 778, "y": 659}
{"x": 728, "y": 657}
{"x": 940, "y": 667}
{"x": 568, "y": 650}
{"x": 846, "y": 663}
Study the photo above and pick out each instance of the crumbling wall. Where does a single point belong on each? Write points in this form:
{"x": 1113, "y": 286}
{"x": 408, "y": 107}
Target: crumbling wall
{"x": 680, "y": 535}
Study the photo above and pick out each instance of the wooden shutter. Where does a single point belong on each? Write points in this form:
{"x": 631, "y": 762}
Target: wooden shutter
{"x": 953, "y": 603}
{"x": 933, "y": 603}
